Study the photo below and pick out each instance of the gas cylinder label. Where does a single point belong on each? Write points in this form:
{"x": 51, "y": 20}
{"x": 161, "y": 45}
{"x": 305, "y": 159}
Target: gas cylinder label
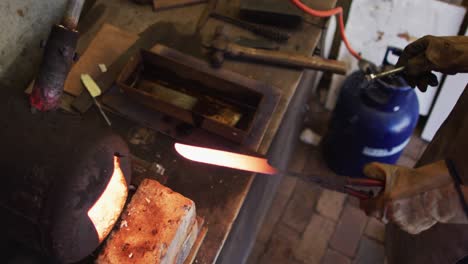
{"x": 384, "y": 152}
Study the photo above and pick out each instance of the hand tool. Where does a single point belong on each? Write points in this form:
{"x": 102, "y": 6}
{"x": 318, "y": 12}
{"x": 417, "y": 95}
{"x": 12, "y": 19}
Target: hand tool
{"x": 270, "y": 33}
{"x": 221, "y": 46}
{"x": 373, "y": 76}
{"x": 94, "y": 91}
{"x": 59, "y": 54}
{"x": 260, "y": 165}
{"x": 206, "y": 15}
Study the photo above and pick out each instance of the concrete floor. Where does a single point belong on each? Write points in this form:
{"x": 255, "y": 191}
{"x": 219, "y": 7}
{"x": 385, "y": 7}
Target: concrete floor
{"x": 24, "y": 23}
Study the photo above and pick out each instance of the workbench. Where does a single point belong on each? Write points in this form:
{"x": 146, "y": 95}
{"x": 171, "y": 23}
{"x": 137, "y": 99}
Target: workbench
{"x": 232, "y": 203}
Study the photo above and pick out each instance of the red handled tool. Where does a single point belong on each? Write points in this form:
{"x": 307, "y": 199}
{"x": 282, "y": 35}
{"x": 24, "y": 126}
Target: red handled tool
{"x": 351, "y": 186}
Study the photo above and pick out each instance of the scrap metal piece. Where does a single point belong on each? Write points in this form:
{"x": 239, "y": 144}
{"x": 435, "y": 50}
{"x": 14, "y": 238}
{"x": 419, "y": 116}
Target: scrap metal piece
{"x": 168, "y": 95}
{"x": 264, "y": 31}
{"x": 373, "y": 76}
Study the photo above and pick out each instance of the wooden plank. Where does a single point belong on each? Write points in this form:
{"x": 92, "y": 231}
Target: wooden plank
{"x": 105, "y": 48}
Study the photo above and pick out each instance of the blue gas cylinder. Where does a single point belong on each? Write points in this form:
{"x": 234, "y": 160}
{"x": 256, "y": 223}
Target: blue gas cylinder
{"x": 372, "y": 121}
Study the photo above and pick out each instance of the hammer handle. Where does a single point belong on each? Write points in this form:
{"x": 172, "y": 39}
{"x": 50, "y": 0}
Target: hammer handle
{"x": 286, "y": 59}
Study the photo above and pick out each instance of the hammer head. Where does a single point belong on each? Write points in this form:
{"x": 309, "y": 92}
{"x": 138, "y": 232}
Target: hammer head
{"x": 219, "y": 46}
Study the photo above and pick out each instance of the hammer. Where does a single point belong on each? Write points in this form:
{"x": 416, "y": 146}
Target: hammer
{"x": 221, "y": 46}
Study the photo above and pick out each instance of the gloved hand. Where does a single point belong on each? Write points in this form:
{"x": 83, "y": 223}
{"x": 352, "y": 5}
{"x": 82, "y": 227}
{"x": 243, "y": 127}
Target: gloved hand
{"x": 415, "y": 199}
{"x": 448, "y": 55}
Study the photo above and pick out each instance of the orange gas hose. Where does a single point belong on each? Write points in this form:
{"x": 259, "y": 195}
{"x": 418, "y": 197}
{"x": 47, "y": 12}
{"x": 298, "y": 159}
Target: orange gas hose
{"x": 328, "y": 13}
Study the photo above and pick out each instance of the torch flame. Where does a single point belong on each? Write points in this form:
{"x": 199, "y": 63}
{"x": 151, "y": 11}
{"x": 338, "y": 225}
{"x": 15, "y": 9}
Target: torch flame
{"x": 105, "y": 212}
{"x": 225, "y": 159}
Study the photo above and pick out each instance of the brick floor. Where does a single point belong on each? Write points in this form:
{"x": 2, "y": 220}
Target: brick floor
{"x": 314, "y": 241}
{"x": 330, "y": 204}
{"x": 349, "y": 231}
{"x": 375, "y": 229}
{"x": 309, "y": 225}
{"x": 333, "y": 257}
{"x": 300, "y": 208}
{"x": 370, "y": 252}
{"x": 280, "y": 247}
{"x": 279, "y": 203}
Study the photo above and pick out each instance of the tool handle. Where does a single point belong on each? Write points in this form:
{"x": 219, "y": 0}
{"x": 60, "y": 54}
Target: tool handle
{"x": 365, "y": 182}
{"x": 287, "y": 59}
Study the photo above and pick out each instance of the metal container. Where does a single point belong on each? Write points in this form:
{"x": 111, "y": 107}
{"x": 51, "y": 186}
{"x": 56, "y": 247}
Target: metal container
{"x": 190, "y": 91}
{"x": 372, "y": 121}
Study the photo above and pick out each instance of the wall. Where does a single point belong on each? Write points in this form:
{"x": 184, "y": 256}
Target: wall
{"x": 375, "y": 24}
{"x": 23, "y": 24}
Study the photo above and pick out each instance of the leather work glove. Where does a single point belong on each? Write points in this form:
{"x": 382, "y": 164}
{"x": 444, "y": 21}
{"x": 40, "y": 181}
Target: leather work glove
{"x": 447, "y": 55}
{"x": 415, "y": 199}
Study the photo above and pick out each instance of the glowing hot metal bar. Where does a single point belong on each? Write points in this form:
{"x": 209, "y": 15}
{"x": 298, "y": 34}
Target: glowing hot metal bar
{"x": 225, "y": 159}
{"x": 260, "y": 165}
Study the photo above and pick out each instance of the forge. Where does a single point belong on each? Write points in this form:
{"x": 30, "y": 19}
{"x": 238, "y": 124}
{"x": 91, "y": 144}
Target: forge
{"x": 64, "y": 179}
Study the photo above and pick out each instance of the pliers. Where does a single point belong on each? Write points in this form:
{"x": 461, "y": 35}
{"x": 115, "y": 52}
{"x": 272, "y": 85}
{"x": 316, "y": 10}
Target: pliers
{"x": 345, "y": 184}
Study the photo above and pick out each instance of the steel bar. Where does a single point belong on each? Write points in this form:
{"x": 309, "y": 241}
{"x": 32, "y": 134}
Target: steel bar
{"x": 372, "y": 76}
{"x": 72, "y": 14}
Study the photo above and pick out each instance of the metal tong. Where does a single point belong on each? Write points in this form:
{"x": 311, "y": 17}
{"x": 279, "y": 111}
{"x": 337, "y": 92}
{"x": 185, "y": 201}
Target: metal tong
{"x": 344, "y": 184}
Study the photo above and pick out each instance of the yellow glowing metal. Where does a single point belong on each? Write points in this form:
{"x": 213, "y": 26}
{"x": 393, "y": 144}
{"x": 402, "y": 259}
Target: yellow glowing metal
{"x": 105, "y": 212}
{"x": 225, "y": 159}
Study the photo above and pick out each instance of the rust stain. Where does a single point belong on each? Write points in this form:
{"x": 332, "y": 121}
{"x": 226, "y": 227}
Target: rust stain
{"x": 20, "y": 12}
{"x": 407, "y": 36}
{"x": 380, "y": 35}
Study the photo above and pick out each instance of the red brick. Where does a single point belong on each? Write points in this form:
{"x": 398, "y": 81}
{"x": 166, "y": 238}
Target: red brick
{"x": 301, "y": 206}
{"x": 349, "y": 231}
{"x": 280, "y": 248}
{"x": 370, "y": 252}
{"x": 330, "y": 204}
{"x": 277, "y": 208}
{"x": 315, "y": 239}
{"x": 375, "y": 229}
{"x": 333, "y": 257}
